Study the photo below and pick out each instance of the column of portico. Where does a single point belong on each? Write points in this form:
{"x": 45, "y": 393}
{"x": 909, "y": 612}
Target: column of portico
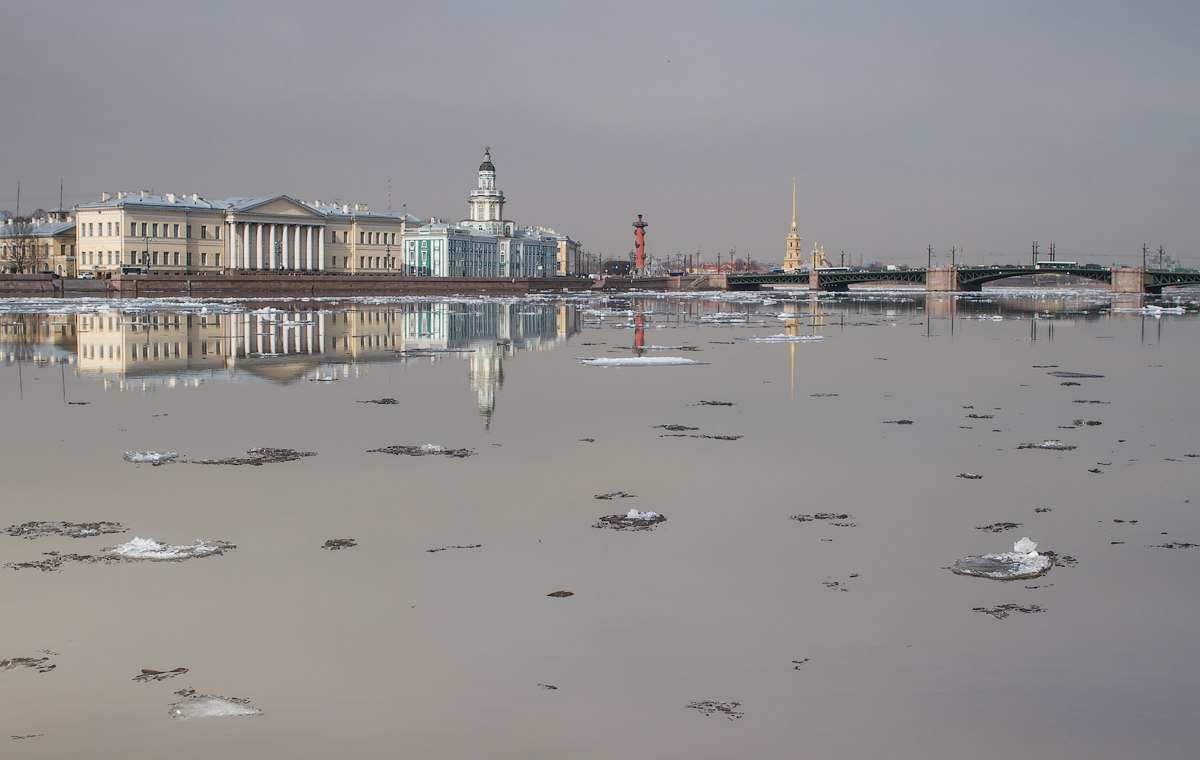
{"x": 321, "y": 249}
{"x": 245, "y": 245}
{"x": 232, "y": 258}
{"x": 271, "y": 252}
{"x": 299, "y": 253}
{"x": 283, "y": 231}
{"x": 308, "y": 244}
{"x": 259, "y": 249}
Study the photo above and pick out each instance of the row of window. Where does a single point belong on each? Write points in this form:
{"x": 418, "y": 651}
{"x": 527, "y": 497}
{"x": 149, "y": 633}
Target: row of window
{"x": 148, "y": 229}
{"x": 145, "y": 258}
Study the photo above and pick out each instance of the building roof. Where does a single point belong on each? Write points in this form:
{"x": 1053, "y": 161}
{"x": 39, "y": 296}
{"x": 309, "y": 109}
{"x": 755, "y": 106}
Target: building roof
{"x": 40, "y": 229}
{"x": 147, "y": 200}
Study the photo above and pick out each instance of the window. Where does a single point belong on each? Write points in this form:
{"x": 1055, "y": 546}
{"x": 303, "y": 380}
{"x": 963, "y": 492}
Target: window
{"x": 216, "y": 232}
{"x": 189, "y": 231}
{"x": 154, "y": 230}
{"x": 189, "y": 258}
{"x": 204, "y": 232}
{"x": 144, "y": 226}
{"x": 175, "y": 231}
{"x": 216, "y": 259}
{"x": 176, "y": 257}
{"x": 132, "y": 229}
{"x": 204, "y": 259}
{"x": 362, "y": 238}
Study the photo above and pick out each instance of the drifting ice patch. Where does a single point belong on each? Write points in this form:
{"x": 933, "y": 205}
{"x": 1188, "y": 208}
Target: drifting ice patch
{"x": 632, "y": 520}
{"x": 1048, "y": 445}
{"x": 209, "y": 706}
{"x": 638, "y": 361}
{"x": 155, "y": 458}
{"x": 149, "y": 549}
{"x": 1021, "y": 563}
{"x": 781, "y": 338}
{"x": 68, "y": 529}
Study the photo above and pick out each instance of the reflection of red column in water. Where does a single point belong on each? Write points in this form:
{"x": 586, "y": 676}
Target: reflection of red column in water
{"x": 639, "y": 248}
{"x": 639, "y": 333}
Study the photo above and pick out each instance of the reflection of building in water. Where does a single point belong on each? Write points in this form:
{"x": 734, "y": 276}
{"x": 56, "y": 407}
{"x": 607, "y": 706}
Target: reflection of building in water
{"x": 287, "y": 345}
{"x": 37, "y": 338}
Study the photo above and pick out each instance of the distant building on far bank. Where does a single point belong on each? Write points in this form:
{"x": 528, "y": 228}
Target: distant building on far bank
{"x": 169, "y": 233}
{"x": 39, "y": 245}
{"x": 486, "y": 244}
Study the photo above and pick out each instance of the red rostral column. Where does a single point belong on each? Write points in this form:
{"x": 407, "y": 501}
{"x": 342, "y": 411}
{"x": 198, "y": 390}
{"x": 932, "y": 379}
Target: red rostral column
{"x": 639, "y": 248}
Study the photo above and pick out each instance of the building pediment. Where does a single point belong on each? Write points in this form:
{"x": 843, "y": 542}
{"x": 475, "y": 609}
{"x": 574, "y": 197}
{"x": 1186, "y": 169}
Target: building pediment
{"x": 276, "y": 206}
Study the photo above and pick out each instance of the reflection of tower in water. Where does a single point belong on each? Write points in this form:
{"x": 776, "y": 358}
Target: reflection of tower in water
{"x": 801, "y": 324}
{"x": 486, "y": 373}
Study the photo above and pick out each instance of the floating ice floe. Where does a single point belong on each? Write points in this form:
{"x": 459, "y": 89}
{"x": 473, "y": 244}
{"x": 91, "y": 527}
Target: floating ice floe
{"x": 150, "y": 457}
{"x": 425, "y": 449}
{"x": 210, "y": 706}
{"x": 1158, "y": 311}
{"x": 68, "y": 529}
{"x": 149, "y": 549}
{"x": 638, "y": 361}
{"x": 631, "y": 520}
{"x": 781, "y": 338}
{"x": 1048, "y": 445}
{"x": 1021, "y": 563}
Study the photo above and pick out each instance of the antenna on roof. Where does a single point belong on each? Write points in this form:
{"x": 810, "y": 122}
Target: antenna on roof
{"x": 60, "y": 192}
{"x": 389, "y": 193}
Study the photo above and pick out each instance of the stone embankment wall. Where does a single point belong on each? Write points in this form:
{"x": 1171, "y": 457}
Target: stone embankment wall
{"x": 280, "y": 286}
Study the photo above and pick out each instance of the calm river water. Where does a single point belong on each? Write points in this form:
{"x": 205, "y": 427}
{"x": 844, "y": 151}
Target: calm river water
{"x": 435, "y": 636}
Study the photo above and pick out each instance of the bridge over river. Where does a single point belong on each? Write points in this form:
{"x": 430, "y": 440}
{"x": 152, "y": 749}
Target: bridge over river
{"x": 944, "y": 279}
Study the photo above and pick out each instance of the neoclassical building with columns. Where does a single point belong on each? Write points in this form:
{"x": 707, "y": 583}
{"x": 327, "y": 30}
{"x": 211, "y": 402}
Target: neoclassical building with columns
{"x": 142, "y": 232}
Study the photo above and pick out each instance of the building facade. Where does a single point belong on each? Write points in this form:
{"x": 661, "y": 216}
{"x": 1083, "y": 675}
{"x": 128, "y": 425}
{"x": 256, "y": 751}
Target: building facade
{"x": 31, "y": 246}
{"x": 140, "y": 232}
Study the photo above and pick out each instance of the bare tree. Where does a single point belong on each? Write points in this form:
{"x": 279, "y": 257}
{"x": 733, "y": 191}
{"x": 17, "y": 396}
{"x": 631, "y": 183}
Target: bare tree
{"x": 22, "y": 251}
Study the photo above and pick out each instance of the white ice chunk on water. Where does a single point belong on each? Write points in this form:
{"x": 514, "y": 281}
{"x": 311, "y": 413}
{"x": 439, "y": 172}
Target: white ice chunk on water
{"x": 786, "y": 338}
{"x": 639, "y": 361}
{"x": 1021, "y": 563}
{"x": 205, "y": 706}
{"x": 1025, "y": 546}
{"x": 149, "y": 549}
{"x": 641, "y": 516}
{"x": 150, "y": 457}
{"x": 432, "y": 448}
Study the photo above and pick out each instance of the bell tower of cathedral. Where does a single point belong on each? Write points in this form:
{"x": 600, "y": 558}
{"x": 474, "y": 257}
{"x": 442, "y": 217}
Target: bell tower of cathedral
{"x": 794, "y": 256}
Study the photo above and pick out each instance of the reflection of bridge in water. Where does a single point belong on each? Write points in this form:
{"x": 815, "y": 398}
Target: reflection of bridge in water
{"x": 967, "y": 279}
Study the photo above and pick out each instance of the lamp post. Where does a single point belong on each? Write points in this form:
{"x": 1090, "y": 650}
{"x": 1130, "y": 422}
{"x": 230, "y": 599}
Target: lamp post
{"x": 387, "y": 256}
{"x": 146, "y": 254}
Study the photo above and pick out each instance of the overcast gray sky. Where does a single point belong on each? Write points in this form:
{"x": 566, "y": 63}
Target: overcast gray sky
{"x": 984, "y": 125}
